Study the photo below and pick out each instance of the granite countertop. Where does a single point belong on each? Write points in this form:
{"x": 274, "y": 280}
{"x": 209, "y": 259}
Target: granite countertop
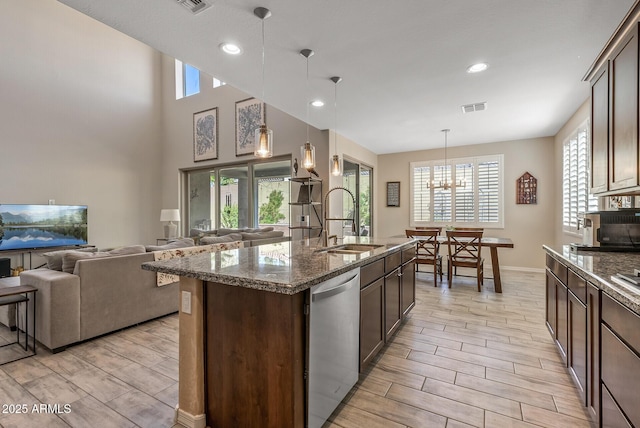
{"x": 285, "y": 267}
{"x": 598, "y": 267}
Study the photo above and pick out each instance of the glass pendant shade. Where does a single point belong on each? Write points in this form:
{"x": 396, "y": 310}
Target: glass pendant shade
{"x": 308, "y": 155}
{"x": 264, "y": 142}
{"x": 336, "y": 166}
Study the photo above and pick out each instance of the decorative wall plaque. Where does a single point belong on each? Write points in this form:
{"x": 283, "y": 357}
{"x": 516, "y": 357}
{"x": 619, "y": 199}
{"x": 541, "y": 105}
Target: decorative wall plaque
{"x": 527, "y": 189}
{"x": 393, "y": 193}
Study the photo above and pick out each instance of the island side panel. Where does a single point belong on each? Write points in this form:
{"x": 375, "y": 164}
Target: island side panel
{"x": 255, "y": 345}
{"x": 191, "y": 396}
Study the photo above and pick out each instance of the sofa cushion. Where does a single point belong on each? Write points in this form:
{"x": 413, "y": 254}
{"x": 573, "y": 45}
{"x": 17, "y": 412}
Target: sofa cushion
{"x": 206, "y": 240}
{"x": 70, "y": 258}
{"x": 222, "y": 232}
{"x": 54, "y": 258}
{"x": 178, "y": 243}
{"x": 261, "y": 235}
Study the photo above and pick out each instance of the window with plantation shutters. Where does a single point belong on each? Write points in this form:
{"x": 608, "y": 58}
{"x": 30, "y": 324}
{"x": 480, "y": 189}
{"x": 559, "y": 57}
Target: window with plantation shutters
{"x": 576, "y": 199}
{"x": 421, "y": 209}
{"x": 465, "y": 192}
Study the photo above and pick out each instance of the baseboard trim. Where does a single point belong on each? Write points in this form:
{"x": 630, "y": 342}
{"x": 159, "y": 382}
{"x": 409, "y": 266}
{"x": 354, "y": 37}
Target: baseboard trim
{"x": 523, "y": 269}
{"x": 187, "y": 420}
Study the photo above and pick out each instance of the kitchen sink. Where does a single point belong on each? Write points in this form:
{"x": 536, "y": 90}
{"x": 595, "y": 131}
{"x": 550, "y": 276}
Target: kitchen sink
{"x": 350, "y": 248}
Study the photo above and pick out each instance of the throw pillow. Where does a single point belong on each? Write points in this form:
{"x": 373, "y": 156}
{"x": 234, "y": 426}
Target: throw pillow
{"x": 69, "y": 259}
{"x": 178, "y": 243}
{"x": 262, "y": 235}
{"x": 54, "y": 258}
{"x": 125, "y": 251}
{"x": 207, "y": 240}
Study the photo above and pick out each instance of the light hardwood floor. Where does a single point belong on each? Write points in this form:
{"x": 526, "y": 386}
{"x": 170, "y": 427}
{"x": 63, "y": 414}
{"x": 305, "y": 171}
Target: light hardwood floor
{"x": 462, "y": 359}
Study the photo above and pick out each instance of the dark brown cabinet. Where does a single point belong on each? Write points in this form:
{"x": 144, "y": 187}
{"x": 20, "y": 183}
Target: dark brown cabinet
{"x": 614, "y": 114}
{"x": 577, "y": 351}
{"x": 557, "y": 303}
{"x": 392, "y": 309}
{"x": 600, "y": 131}
{"x": 408, "y": 280}
{"x": 387, "y": 294}
{"x": 371, "y": 320}
{"x": 593, "y": 351}
{"x": 623, "y": 115}
{"x": 620, "y": 364}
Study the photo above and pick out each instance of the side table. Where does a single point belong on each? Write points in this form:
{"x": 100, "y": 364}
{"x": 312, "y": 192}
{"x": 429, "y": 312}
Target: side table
{"x": 17, "y": 295}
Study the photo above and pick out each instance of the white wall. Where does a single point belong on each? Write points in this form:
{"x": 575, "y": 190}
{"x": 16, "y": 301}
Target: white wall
{"x": 80, "y": 119}
{"x": 529, "y": 226}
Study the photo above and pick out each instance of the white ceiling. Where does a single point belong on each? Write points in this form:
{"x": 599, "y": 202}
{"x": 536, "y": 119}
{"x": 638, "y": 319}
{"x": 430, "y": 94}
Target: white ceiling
{"x": 403, "y": 63}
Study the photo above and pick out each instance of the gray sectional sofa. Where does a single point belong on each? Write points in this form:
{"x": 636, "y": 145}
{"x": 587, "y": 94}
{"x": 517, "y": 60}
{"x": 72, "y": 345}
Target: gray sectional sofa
{"x": 250, "y": 237}
{"x": 103, "y": 294}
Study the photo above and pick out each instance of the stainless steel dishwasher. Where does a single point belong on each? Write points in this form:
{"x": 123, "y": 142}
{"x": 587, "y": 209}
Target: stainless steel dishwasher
{"x": 334, "y": 329}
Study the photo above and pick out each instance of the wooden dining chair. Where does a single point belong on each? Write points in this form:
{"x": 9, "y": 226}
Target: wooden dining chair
{"x": 427, "y": 250}
{"x": 472, "y": 229}
{"x": 465, "y": 250}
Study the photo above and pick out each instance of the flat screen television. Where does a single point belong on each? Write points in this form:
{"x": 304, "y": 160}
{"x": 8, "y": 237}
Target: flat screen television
{"x": 26, "y": 227}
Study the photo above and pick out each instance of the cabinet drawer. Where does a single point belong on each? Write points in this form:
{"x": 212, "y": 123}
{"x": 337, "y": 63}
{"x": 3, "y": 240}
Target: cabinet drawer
{"x": 620, "y": 374}
{"x": 557, "y": 268}
{"x": 612, "y": 417}
{"x": 408, "y": 254}
{"x": 371, "y": 272}
{"x": 392, "y": 261}
{"x": 622, "y": 321}
{"x": 577, "y": 285}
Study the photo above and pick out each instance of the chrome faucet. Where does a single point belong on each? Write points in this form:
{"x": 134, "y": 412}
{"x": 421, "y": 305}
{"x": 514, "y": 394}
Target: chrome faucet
{"x": 325, "y": 226}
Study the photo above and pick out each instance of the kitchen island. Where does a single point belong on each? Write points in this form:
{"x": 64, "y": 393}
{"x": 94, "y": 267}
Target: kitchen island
{"x": 243, "y": 358}
{"x": 593, "y": 316}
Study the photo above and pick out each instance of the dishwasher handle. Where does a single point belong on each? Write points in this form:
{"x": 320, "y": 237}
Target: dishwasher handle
{"x": 340, "y": 288}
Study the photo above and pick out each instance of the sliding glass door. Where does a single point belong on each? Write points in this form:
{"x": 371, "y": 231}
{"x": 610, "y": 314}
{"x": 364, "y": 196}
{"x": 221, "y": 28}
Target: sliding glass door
{"x": 252, "y": 194}
{"x": 358, "y": 179}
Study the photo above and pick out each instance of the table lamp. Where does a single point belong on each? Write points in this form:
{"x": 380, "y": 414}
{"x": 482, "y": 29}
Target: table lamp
{"x": 170, "y": 215}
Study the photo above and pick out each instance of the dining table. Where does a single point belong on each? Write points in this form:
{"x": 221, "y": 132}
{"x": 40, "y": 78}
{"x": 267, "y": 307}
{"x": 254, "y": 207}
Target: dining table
{"x": 493, "y": 243}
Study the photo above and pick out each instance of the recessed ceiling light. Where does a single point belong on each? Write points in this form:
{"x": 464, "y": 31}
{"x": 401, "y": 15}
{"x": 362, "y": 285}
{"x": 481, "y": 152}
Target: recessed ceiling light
{"x": 230, "y": 48}
{"x": 317, "y": 103}
{"x": 477, "y": 68}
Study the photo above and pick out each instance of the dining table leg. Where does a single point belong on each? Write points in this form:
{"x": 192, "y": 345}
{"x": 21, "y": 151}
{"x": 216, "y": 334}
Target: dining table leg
{"x": 496, "y": 269}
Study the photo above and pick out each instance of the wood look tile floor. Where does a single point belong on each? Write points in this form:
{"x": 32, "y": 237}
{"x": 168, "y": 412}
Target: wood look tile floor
{"x": 462, "y": 359}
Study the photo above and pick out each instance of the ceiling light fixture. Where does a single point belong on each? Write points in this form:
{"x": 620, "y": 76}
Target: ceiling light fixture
{"x": 445, "y": 184}
{"x": 477, "y": 68}
{"x": 263, "y": 135}
{"x": 317, "y": 103}
{"x": 308, "y": 151}
{"x": 336, "y": 162}
{"x": 230, "y": 48}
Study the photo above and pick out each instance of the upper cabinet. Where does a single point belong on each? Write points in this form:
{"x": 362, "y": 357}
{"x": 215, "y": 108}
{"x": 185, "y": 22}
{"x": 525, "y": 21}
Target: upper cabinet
{"x": 623, "y": 115}
{"x": 600, "y": 131}
{"x": 614, "y": 77}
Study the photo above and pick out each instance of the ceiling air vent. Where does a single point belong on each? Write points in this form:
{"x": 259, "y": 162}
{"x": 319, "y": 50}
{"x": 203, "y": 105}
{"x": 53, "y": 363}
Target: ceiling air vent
{"x": 195, "y": 6}
{"x": 470, "y": 108}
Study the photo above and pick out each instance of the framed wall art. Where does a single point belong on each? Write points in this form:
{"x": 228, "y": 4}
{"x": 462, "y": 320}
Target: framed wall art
{"x": 393, "y": 193}
{"x": 250, "y": 114}
{"x": 205, "y": 135}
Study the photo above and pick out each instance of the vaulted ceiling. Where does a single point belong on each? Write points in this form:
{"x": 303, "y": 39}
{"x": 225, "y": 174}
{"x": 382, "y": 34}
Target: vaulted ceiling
{"x": 403, "y": 63}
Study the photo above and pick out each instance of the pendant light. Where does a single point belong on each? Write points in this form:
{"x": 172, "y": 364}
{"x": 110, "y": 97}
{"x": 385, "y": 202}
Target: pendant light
{"x": 336, "y": 162}
{"x": 445, "y": 185}
{"x": 308, "y": 151}
{"x": 263, "y": 135}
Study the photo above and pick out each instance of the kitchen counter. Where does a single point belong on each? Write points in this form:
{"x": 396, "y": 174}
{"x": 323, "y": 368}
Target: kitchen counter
{"x": 284, "y": 267}
{"x": 245, "y": 317}
{"x": 599, "y": 267}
